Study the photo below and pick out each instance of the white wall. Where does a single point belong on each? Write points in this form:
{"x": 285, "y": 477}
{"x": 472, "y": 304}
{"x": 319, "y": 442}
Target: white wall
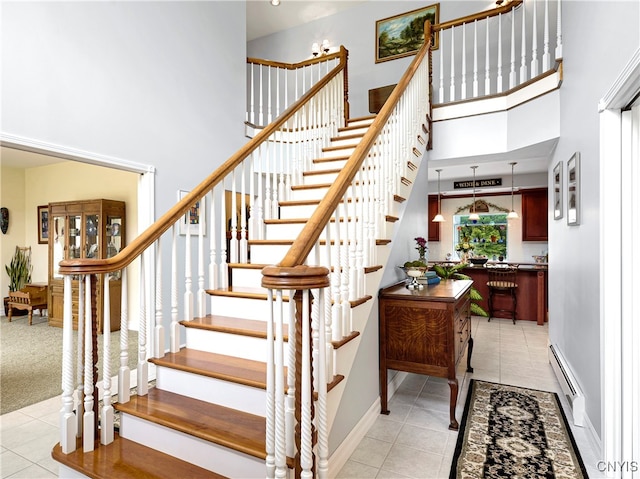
{"x": 154, "y": 83}
{"x": 12, "y": 181}
{"x": 591, "y": 64}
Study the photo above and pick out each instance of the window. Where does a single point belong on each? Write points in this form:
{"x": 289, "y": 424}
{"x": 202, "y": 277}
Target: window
{"x": 488, "y": 235}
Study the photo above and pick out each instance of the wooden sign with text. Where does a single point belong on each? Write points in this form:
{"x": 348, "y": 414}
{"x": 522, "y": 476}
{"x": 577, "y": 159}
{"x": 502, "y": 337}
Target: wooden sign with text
{"x": 479, "y": 183}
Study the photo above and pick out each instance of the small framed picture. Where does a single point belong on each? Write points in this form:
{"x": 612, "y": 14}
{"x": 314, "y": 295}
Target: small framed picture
{"x": 557, "y": 191}
{"x": 194, "y": 218}
{"x": 43, "y": 224}
{"x": 573, "y": 190}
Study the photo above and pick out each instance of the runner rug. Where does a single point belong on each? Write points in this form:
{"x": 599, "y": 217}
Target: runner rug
{"x": 514, "y": 432}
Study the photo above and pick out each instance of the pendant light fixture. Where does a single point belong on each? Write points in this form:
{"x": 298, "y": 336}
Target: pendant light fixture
{"x": 512, "y": 214}
{"x": 474, "y": 216}
{"x": 438, "y": 218}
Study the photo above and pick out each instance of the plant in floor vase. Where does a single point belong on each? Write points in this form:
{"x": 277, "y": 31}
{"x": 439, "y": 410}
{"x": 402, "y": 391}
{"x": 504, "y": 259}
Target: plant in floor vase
{"x": 19, "y": 271}
{"x": 453, "y": 272}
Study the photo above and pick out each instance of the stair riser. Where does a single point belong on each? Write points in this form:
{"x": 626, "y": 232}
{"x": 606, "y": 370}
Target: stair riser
{"x": 345, "y": 142}
{"x": 355, "y": 131}
{"x": 229, "y": 344}
{"x": 207, "y": 455}
{"x": 268, "y": 254}
{"x": 246, "y": 277}
{"x": 240, "y": 307}
{"x": 292, "y": 230}
{"x": 211, "y": 390}
{"x": 319, "y": 179}
{"x": 364, "y": 122}
{"x": 345, "y": 150}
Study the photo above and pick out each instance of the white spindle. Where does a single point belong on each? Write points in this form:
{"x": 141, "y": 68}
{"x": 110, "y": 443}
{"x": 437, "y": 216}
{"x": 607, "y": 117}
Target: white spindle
{"x": 143, "y": 365}
{"x": 523, "y": 50}
{"x": 233, "y": 245}
{"x": 487, "y": 78}
{"x": 559, "y": 32}
{"x": 290, "y": 399}
{"x": 270, "y": 447}
{"x": 321, "y": 409}
{"x": 269, "y": 92}
{"x": 534, "y": 42}
{"x": 512, "y": 70}
{"x": 280, "y": 436}
{"x": 175, "y": 326}
{"x": 158, "y": 330}
{"x": 88, "y": 422}
{"x": 80, "y": 359}
{"x": 244, "y": 249}
{"x": 475, "y": 59}
{"x": 260, "y": 106}
{"x": 499, "y": 78}
{"x": 68, "y": 425}
{"x": 441, "y": 89}
{"x": 224, "y": 265}
{"x": 106, "y": 414}
{"x": 452, "y": 87}
{"x": 124, "y": 373}
{"x": 306, "y": 446}
{"x": 463, "y": 80}
{"x": 252, "y": 88}
{"x": 201, "y": 303}
{"x": 546, "y": 57}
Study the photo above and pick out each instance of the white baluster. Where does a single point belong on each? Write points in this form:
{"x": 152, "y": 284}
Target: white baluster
{"x": 452, "y": 87}
{"x": 487, "y": 79}
{"x": 512, "y": 71}
{"x": 244, "y": 249}
{"x": 441, "y": 90}
{"x": 213, "y": 249}
{"x": 233, "y": 245}
{"x": 306, "y": 446}
{"x": 175, "y": 326}
{"x": 546, "y": 57}
{"x": 224, "y": 266}
{"x": 499, "y": 78}
{"x": 88, "y": 422}
{"x": 534, "y": 41}
{"x": 261, "y": 111}
{"x": 252, "y": 93}
{"x": 270, "y": 447}
{"x": 80, "y": 359}
{"x": 106, "y": 414}
{"x": 124, "y": 373}
{"x": 321, "y": 409}
{"x": 68, "y": 425}
{"x": 269, "y": 91}
{"x": 280, "y": 436}
{"x": 158, "y": 330}
{"x": 463, "y": 82}
{"x": 201, "y": 302}
{"x": 523, "y": 50}
{"x": 475, "y": 59}
{"x": 143, "y": 365}
{"x": 559, "y": 32}
{"x": 290, "y": 401}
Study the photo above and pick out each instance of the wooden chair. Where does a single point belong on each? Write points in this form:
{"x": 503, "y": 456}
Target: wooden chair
{"x": 502, "y": 281}
{"x": 23, "y": 301}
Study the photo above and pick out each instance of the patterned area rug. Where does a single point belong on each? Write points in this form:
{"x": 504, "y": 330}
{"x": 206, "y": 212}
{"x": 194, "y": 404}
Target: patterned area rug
{"x": 514, "y": 432}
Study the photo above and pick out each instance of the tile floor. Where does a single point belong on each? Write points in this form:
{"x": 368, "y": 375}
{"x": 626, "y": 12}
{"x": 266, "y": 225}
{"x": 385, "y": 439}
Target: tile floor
{"x": 412, "y": 442}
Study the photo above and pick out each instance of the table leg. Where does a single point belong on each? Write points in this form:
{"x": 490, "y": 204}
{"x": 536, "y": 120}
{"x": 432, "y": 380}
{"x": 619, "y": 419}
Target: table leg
{"x": 469, "y": 353}
{"x": 453, "y": 386}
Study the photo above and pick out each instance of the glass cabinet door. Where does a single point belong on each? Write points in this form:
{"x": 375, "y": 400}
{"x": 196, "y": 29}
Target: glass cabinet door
{"x": 59, "y": 246}
{"x": 114, "y": 238}
{"x": 91, "y": 237}
{"x": 75, "y": 237}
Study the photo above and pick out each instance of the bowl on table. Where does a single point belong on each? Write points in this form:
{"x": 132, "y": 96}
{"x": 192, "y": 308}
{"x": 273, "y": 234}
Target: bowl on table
{"x": 478, "y": 261}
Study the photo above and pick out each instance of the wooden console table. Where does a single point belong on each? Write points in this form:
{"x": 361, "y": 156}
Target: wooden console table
{"x": 425, "y": 332}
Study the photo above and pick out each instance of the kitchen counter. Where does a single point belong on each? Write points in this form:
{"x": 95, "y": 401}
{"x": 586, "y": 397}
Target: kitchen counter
{"x": 531, "y": 293}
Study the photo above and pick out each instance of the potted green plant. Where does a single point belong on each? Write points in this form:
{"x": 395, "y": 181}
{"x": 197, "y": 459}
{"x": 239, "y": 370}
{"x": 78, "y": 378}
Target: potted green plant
{"x": 19, "y": 271}
{"x": 453, "y": 272}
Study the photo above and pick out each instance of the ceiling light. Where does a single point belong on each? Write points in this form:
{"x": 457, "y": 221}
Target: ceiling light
{"x": 275, "y": 3}
{"x": 474, "y": 216}
{"x": 512, "y": 214}
{"x": 438, "y": 218}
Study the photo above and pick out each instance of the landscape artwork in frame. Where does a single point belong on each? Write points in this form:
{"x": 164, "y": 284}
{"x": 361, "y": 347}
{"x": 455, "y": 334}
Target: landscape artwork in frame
{"x": 573, "y": 190}
{"x": 43, "y": 224}
{"x": 557, "y": 191}
{"x": 192, "y": 220}
{"x": 403, "y": 35}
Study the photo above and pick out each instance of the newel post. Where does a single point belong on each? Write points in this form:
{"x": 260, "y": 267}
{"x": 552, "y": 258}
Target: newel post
{"x": 298, "y": 281}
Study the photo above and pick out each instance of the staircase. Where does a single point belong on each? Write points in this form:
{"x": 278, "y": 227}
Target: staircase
{"x": 205, "y": 417}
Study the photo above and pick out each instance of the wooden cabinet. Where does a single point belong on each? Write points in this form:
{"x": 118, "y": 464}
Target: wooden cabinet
{"x": 535, "y": 215}
{"x": 425, "y": 332}
{"x": 434, "y": 228}
{"x": 84, "y": 230}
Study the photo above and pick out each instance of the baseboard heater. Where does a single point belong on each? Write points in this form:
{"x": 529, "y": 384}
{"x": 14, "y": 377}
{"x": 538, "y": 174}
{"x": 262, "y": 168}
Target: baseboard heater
{"x": 569, "y": 385}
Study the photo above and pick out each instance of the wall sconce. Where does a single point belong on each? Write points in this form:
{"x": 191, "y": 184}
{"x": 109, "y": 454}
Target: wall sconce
{"x": 275, "y": 3}
{"x": 323, "y": 48}
{"x": 512, "y": 214}
{"x": 474, "y": 216}
{"x": 438, "y": 218}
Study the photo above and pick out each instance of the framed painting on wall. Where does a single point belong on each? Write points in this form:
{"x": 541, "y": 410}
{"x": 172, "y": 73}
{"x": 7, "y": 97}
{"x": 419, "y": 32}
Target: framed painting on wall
{"x": 403, "y": 35}
{"x": 573, "y": 190}
{"x": 194, "y": 218}
{"x": 557, "y": 191}
{"x": 43, "y": 224}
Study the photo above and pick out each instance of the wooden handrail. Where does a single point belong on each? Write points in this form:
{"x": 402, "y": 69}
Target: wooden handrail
{"x": 478, "y": 16}
{"x": 313, "y": 228}
{"x": 293, "y": 66}
{"x": 166, "y": 221}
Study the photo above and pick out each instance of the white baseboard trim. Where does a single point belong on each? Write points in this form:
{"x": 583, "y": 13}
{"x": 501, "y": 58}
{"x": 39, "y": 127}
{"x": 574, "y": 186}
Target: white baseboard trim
{"x": 342, "y": 454}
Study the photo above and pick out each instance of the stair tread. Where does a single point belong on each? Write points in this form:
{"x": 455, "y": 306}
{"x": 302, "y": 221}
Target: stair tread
{"x": 219, "y": 366}
{"x": 122, "y": 460}
{"x": 221, "y": 425}
{"x": 242, "y": 292}
{"x": 227, "y": 324}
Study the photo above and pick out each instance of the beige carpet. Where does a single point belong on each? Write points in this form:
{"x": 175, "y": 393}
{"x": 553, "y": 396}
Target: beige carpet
{"x": 31, "y": 361}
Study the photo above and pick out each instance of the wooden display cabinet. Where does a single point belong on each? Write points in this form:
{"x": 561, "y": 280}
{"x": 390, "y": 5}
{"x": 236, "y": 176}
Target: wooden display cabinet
{"x": 84, "y": 230}
{"x": 535, "y": 215}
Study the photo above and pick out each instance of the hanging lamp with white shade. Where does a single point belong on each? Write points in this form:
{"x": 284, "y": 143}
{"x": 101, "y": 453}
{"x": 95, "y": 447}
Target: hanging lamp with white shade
{"x": 438, "y": 218}
{"x": 474, "y": 216}
{"x": 512, "y": 214}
